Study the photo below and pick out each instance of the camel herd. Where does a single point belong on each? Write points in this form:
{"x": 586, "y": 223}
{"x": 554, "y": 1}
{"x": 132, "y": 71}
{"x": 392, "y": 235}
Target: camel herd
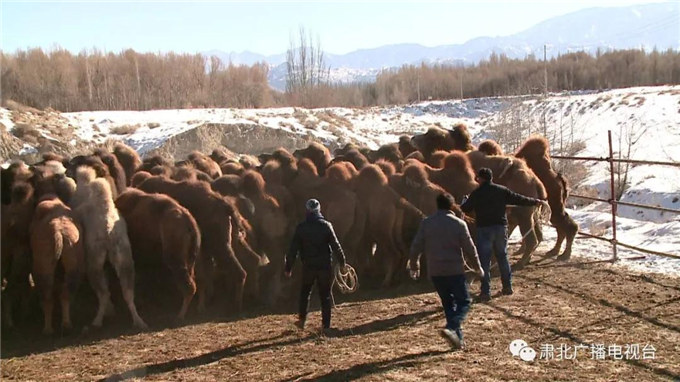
{"x": 218, "y": 225}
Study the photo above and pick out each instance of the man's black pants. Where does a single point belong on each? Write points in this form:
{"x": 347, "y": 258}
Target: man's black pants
{"x": 324, "y": 282}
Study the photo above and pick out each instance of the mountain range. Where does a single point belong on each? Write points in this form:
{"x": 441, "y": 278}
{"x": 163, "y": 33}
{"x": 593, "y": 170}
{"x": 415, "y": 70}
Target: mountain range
{"x": 646, "y": 26}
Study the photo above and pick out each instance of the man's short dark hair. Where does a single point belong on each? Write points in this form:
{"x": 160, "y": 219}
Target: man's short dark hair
{"x": 445, "y": 202}
{"x": 485, "y": 173}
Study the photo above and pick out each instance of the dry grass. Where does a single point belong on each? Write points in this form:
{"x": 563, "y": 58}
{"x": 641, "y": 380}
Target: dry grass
{"x": 153, "y": 125}
{"x": 124, "y": 129}
{"x": 333, "y": 119}
{"x": 391, "y": 335}
{"x": 22, "y": 130}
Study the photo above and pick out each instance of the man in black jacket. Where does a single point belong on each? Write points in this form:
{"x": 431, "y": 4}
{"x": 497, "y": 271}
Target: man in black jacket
{"x": 315, "y": 241}
{"x": 488, "y": 202}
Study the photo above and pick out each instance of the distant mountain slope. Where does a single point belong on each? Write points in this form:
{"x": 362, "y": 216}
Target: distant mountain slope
{"x": 646, "y": 26}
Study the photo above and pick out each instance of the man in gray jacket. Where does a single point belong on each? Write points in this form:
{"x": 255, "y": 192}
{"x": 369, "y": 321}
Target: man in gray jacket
{"x": 445, "y": 240}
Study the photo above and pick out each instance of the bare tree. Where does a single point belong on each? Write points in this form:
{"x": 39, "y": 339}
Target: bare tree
{"x": 306, "y": 67}
{"x": 629, "y": 135}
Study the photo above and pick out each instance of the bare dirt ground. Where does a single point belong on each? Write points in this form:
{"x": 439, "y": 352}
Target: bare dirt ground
{"x": 391, "y": 335}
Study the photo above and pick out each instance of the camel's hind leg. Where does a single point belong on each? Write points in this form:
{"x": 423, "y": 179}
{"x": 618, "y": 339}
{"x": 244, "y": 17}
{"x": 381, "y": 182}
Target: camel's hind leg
{"x": 571, "y": 229}
{"x": 44, "y": 281}
{"x": 72, "y": 277}
{"x": 120, "y": 258}
{"x": 99, "y": 282}
{"x": 526, "y": 226}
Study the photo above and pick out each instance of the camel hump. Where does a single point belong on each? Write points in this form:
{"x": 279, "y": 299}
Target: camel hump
{"x": 416, "y": 173}
{"x": 535, "y": 146}
{"x": 85, "y": 174}
{"x": 372, "y": 174}
{"x": 253, "y": 183}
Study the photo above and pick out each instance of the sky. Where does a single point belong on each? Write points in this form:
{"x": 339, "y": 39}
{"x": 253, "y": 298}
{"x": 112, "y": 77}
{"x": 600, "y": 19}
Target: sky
{"x": 266, "y": 27}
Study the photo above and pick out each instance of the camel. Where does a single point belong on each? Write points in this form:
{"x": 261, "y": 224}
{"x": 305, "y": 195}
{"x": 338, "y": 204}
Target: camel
{"x": 115, "y": 169}
{"x": 389, "y": 153}
{"x": 490, "y": 147}
{"x": 536, "y": 152}
{"x": 204, "y": 163}
{"x": 16, "y": 251}
{"x": 318, "y": 154}
{"x": 128, "y": 158}
{"x": 219, "y": 223}
{"x": 106, "y": 238}
{"x": 456, "y": 176}
{"x": 162, "y": 231}
{"x": 353, "y": 156}
{"x": 458, "y": 138}
{"x": 391, "y": 221}
{"x": 56, "y": 240}
{"x": 517, "y": 176}
{"x": 96, "y": 163}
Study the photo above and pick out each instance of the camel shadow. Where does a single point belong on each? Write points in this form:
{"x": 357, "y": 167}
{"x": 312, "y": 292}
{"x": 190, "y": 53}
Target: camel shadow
{"x": 603, "y": 302}
{"x": 383, "y": 325}
{"x": 365, "y": 369}
{"x": 26, "y": 338}
{"x": 567, "y": 334}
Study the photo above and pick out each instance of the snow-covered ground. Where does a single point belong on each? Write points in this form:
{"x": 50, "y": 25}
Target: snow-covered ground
{"x": 644, "y": 119}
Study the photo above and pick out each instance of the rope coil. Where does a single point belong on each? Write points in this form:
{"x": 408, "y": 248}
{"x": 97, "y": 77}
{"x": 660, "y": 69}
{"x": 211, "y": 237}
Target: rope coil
{"x": 347, "y": 282}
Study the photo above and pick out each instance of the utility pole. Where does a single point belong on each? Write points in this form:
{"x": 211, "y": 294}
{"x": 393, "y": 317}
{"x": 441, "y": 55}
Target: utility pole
{"x": 545, "y": 69}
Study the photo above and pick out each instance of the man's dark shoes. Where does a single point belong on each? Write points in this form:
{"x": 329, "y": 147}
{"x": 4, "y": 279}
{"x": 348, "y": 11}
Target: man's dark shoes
{"x": 329, "y": 332}
{"x": 483, "y": 297}
{"x": 507, "y": 291}
{"x": 453, "y": 338}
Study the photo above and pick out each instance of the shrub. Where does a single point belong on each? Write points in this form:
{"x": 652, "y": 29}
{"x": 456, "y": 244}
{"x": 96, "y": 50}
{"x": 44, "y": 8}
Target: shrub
{"x": 22, "y": 130}
{"x": 124, "y": 129}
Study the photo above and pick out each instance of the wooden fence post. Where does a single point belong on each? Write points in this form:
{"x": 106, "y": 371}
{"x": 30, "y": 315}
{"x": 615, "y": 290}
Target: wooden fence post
{"x": 612, "y": 201}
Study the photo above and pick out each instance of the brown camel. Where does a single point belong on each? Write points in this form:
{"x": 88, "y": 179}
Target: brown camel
{"x": 490, "y": 147}
{"x": 219, "y": 223}
{"x": 517, "y": 176}
{"x": 115, "y": 169}
{"x": 56, "y": 241}
{"x": 16, "y": 251}
{"x": 536, "y": 152}
{"x": 390, "y": 219}
{"x": 272, "y": 227}
{"x": 96, "y": 163}
{"x": 354, "y": 157}
{"x": 128, "y": 158}
{"x": 318, "y": 154}
{"x": 456, "y": 176}
{"x": 458, "y": 138}
{"x": 405, "y": 146}
{"x": 204, "y": 163}
{"x": 389, "y": 153}
{"x": 163, "y": 232}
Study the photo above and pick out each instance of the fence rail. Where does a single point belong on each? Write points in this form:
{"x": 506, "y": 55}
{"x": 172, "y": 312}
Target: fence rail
{"x": 619, "y": 160}
{"x": 645, "y": 206}
{"x": 614, "y": 203}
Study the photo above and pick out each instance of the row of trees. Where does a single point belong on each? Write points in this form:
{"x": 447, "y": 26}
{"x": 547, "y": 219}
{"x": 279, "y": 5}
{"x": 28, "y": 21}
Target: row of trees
{"x": 130, "y": 80}
{"x": 501, "y": 76}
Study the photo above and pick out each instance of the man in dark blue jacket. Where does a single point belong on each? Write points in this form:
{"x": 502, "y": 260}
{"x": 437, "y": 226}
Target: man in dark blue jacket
{"x": 315, "y": 241}
{"x": 488, "y": 202}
